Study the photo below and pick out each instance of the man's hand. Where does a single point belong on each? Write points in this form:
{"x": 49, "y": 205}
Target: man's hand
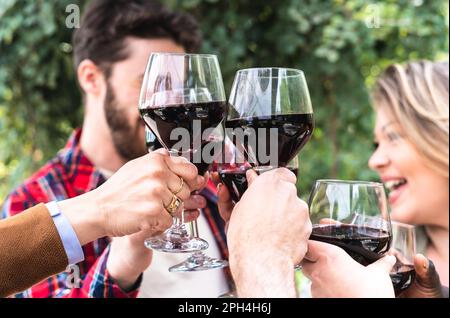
{"x": 225, "y": 203}
{"x": 335, "y": 274}
{"x": 267, "y": 235}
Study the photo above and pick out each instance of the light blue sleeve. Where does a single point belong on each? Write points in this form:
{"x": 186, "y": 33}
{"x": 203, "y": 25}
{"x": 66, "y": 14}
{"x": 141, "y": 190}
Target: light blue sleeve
{"x": 67, "y": 233}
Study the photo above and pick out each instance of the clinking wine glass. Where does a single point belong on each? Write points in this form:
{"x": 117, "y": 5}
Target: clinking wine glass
{"x": 404, "y": 249}
{"x": 352, "y": 215}
{"x": 151, "y": 141}
{"x": 232, "y": 170}
{"x": 272, "y": 108}
{"x": 182, "y": 98}
{"x": 199, "y": 261}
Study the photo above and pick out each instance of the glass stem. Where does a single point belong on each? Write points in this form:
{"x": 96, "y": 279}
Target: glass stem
{"x": 179, "y": 227}
{"x": 194, "y": 228}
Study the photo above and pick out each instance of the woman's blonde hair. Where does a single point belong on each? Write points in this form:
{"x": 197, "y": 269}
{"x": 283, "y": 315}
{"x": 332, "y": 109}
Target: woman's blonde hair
{"x": 416, "y": 95}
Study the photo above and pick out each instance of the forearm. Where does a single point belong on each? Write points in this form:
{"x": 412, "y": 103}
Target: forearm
{"x": 124, "y": 262}
{"x": 82, "y": 214}
{"x": 126, "y": 280}
{"x": 264, "y": 278}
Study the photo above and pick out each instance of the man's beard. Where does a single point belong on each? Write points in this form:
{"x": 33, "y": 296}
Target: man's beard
{"x": 126, "y": 138}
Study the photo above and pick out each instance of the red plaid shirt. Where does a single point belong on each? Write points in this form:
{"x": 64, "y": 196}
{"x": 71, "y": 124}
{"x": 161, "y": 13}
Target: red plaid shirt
{"x": 70, "y": 174}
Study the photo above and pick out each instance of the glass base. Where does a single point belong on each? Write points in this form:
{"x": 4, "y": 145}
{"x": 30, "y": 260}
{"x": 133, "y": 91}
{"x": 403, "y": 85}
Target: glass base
{"x": 170, "y": 242}
{"x": 198, "y": 262}
{"x": 230, "y": 294}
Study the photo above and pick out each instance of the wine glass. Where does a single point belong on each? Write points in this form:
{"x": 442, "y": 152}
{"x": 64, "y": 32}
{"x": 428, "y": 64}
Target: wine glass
{"x": 352, "y": 215}
{"x": 404, "y": 249}
{"x": 293, "y": 165}
{"x": 270, "y": 115}
{"x": 151, "y": 141}
{"x": 182, "y": 99}
{"x": 232, "y": 170}
{"x": 199, "y": 261}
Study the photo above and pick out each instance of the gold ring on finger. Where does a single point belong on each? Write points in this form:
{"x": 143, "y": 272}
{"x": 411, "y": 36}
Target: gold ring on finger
{"x": 174, "y": 205}
{"x": 180, "y": 187}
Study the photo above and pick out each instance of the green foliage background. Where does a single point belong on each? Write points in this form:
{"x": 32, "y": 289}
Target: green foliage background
{"x": 340, "y": 45}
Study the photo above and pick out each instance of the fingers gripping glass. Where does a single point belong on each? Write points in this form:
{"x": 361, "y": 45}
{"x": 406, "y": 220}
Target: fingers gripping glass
{"x": 232, "y": 172}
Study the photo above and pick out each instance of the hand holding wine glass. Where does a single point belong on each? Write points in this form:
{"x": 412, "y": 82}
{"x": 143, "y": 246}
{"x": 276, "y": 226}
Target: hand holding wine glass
{"x": 272, "y": 108}
{"x": 413, "y": 276}
{"x": 267, "y": 235}
{"x": 426, "y": 283}
{"x": 233, "y": 180}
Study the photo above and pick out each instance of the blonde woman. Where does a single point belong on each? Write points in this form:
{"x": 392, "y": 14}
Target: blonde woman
{"x": 412, "y": 148}
{"x": 411, "y": 156}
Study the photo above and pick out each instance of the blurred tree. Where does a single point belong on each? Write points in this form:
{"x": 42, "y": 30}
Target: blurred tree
{"x": 39, "y": 99}
{"x": 340, "y": 45}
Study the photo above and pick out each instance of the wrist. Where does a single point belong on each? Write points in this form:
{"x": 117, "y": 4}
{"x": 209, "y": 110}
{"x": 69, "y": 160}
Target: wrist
{"x": 83, "y": 215}
{"x": 121, "y": 271}
{"x": 127, "y": 282}
{"x": 268, "y": 275}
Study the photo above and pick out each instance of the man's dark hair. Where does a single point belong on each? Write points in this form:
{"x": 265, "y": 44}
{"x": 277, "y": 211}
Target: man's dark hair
{"x": 106, "y": 24}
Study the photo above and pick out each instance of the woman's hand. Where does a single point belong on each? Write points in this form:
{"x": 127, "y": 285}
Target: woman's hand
{"x": 426, "y": 283}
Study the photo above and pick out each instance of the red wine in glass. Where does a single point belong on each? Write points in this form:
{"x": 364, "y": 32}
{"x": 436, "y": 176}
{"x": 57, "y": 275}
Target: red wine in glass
{"x": 236, "y": 181}
{"x": 403, "y": 248}
{"x": 352, "y": 215}
{"x": 194, "y": 118}
{"x": 364, "y": 244}
{"x": 293, "y": 132}
{"x": 269, "y": 100}
{"x": 402, "y": 276}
